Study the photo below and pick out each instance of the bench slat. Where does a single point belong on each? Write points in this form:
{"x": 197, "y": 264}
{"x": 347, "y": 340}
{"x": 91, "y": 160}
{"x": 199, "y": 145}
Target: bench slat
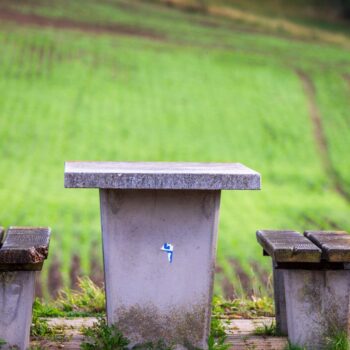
{"x": 288, "y": 246}
{"x": 25, "y": 246}
{"x": 335, "y": 245}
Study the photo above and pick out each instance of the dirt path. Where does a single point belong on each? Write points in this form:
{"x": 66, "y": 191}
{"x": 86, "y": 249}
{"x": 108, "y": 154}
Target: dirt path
{"x": 319, "y": 134}
{"x": 65, "y": 23}
{"x": 240, "y": 334}
{"x": 275, "y": 24}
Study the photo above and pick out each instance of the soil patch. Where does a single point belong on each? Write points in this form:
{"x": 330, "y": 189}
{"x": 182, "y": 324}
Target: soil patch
{"x": 319, "y": 134}
{"x": 31, "y": 19}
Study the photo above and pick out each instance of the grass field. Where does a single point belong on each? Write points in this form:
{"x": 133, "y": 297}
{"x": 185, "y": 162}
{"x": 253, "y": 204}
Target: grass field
{"x": 142, "y": 81}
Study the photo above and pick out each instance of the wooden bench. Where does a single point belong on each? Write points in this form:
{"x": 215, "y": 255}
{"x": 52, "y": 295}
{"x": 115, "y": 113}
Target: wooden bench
{"x": 311, "y": 275}
{"x": 22, "y": 253}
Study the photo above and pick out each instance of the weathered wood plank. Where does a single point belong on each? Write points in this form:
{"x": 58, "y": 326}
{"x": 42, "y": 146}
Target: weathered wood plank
{"x": 24, "y": 246}
{"x": 335, "y": 245}
{"x": 288, "y": 246}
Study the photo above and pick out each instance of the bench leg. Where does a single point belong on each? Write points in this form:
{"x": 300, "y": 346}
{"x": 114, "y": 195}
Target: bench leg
{"x": 16, "y": 301}
{"x": 280, "y": 301}
{"x": 317, "y": 304}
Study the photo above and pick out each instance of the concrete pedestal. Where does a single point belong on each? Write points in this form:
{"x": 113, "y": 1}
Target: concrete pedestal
{"x": 16, "y": 300}
{"x": 317, "y": 304}
{"x": 159, "y": 227}
{"x": 148, "y": 296}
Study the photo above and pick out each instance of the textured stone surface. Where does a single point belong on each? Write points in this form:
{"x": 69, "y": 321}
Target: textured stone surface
{"x": 335, "y": 245}
{"x": 147, "y": 296}
{"x": 280, "y": 300}
{"x": 16, "y": 299}
{"x": 317, "y": 304}
{"x": 24, "y": 246}
{"x": 191, "y": 176}
{"x": 288, "y": 246}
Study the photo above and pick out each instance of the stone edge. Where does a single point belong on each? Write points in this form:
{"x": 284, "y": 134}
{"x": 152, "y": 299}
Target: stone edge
{"x": 165, "y": 181}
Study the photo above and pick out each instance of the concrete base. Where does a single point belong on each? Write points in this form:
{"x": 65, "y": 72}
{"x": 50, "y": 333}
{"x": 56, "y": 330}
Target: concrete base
{"x": 16, "y": 300}
{"x": 280, "y": 301}
{"x": 148, "y": 297}
{"x": 317, "y": 304}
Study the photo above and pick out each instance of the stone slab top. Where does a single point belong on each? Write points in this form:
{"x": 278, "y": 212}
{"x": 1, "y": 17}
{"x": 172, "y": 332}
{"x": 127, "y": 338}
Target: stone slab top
{"x": 161, "y": 175}
{"x": 23, "y": 248}
{"x": 288, "y": 246}
{"x": 335, "y": 245}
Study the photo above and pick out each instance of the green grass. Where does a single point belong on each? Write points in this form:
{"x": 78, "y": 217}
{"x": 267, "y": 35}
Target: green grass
{"x": 88, "y": 300}
{"x": 338, "y": 341}
{"x": 101, "y": 336}
{"x": 268, "y": 330}
{"x": 202, "y": 93}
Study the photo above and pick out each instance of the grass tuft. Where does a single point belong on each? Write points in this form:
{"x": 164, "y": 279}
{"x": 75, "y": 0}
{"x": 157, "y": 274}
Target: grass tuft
{"x": 217, "y": 337}
{"x": 88, "y": 300}
{"x": 338, "y": 341}
{"x": 267, "y": 330}
{"x": 243, "y": 308}
{"x": 40, "y": 329}
{"x": 103, "y": 337}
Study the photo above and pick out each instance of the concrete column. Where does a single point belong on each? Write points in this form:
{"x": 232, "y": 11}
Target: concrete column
{"x": 317, "y": 304}
{"x": 16, "y": 300}
{"x": 149, "y": 296}
{"x": 280, "y": 301}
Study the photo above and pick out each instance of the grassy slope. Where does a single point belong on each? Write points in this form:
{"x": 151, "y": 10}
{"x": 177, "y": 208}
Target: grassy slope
{"x": 203, "y": 94}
